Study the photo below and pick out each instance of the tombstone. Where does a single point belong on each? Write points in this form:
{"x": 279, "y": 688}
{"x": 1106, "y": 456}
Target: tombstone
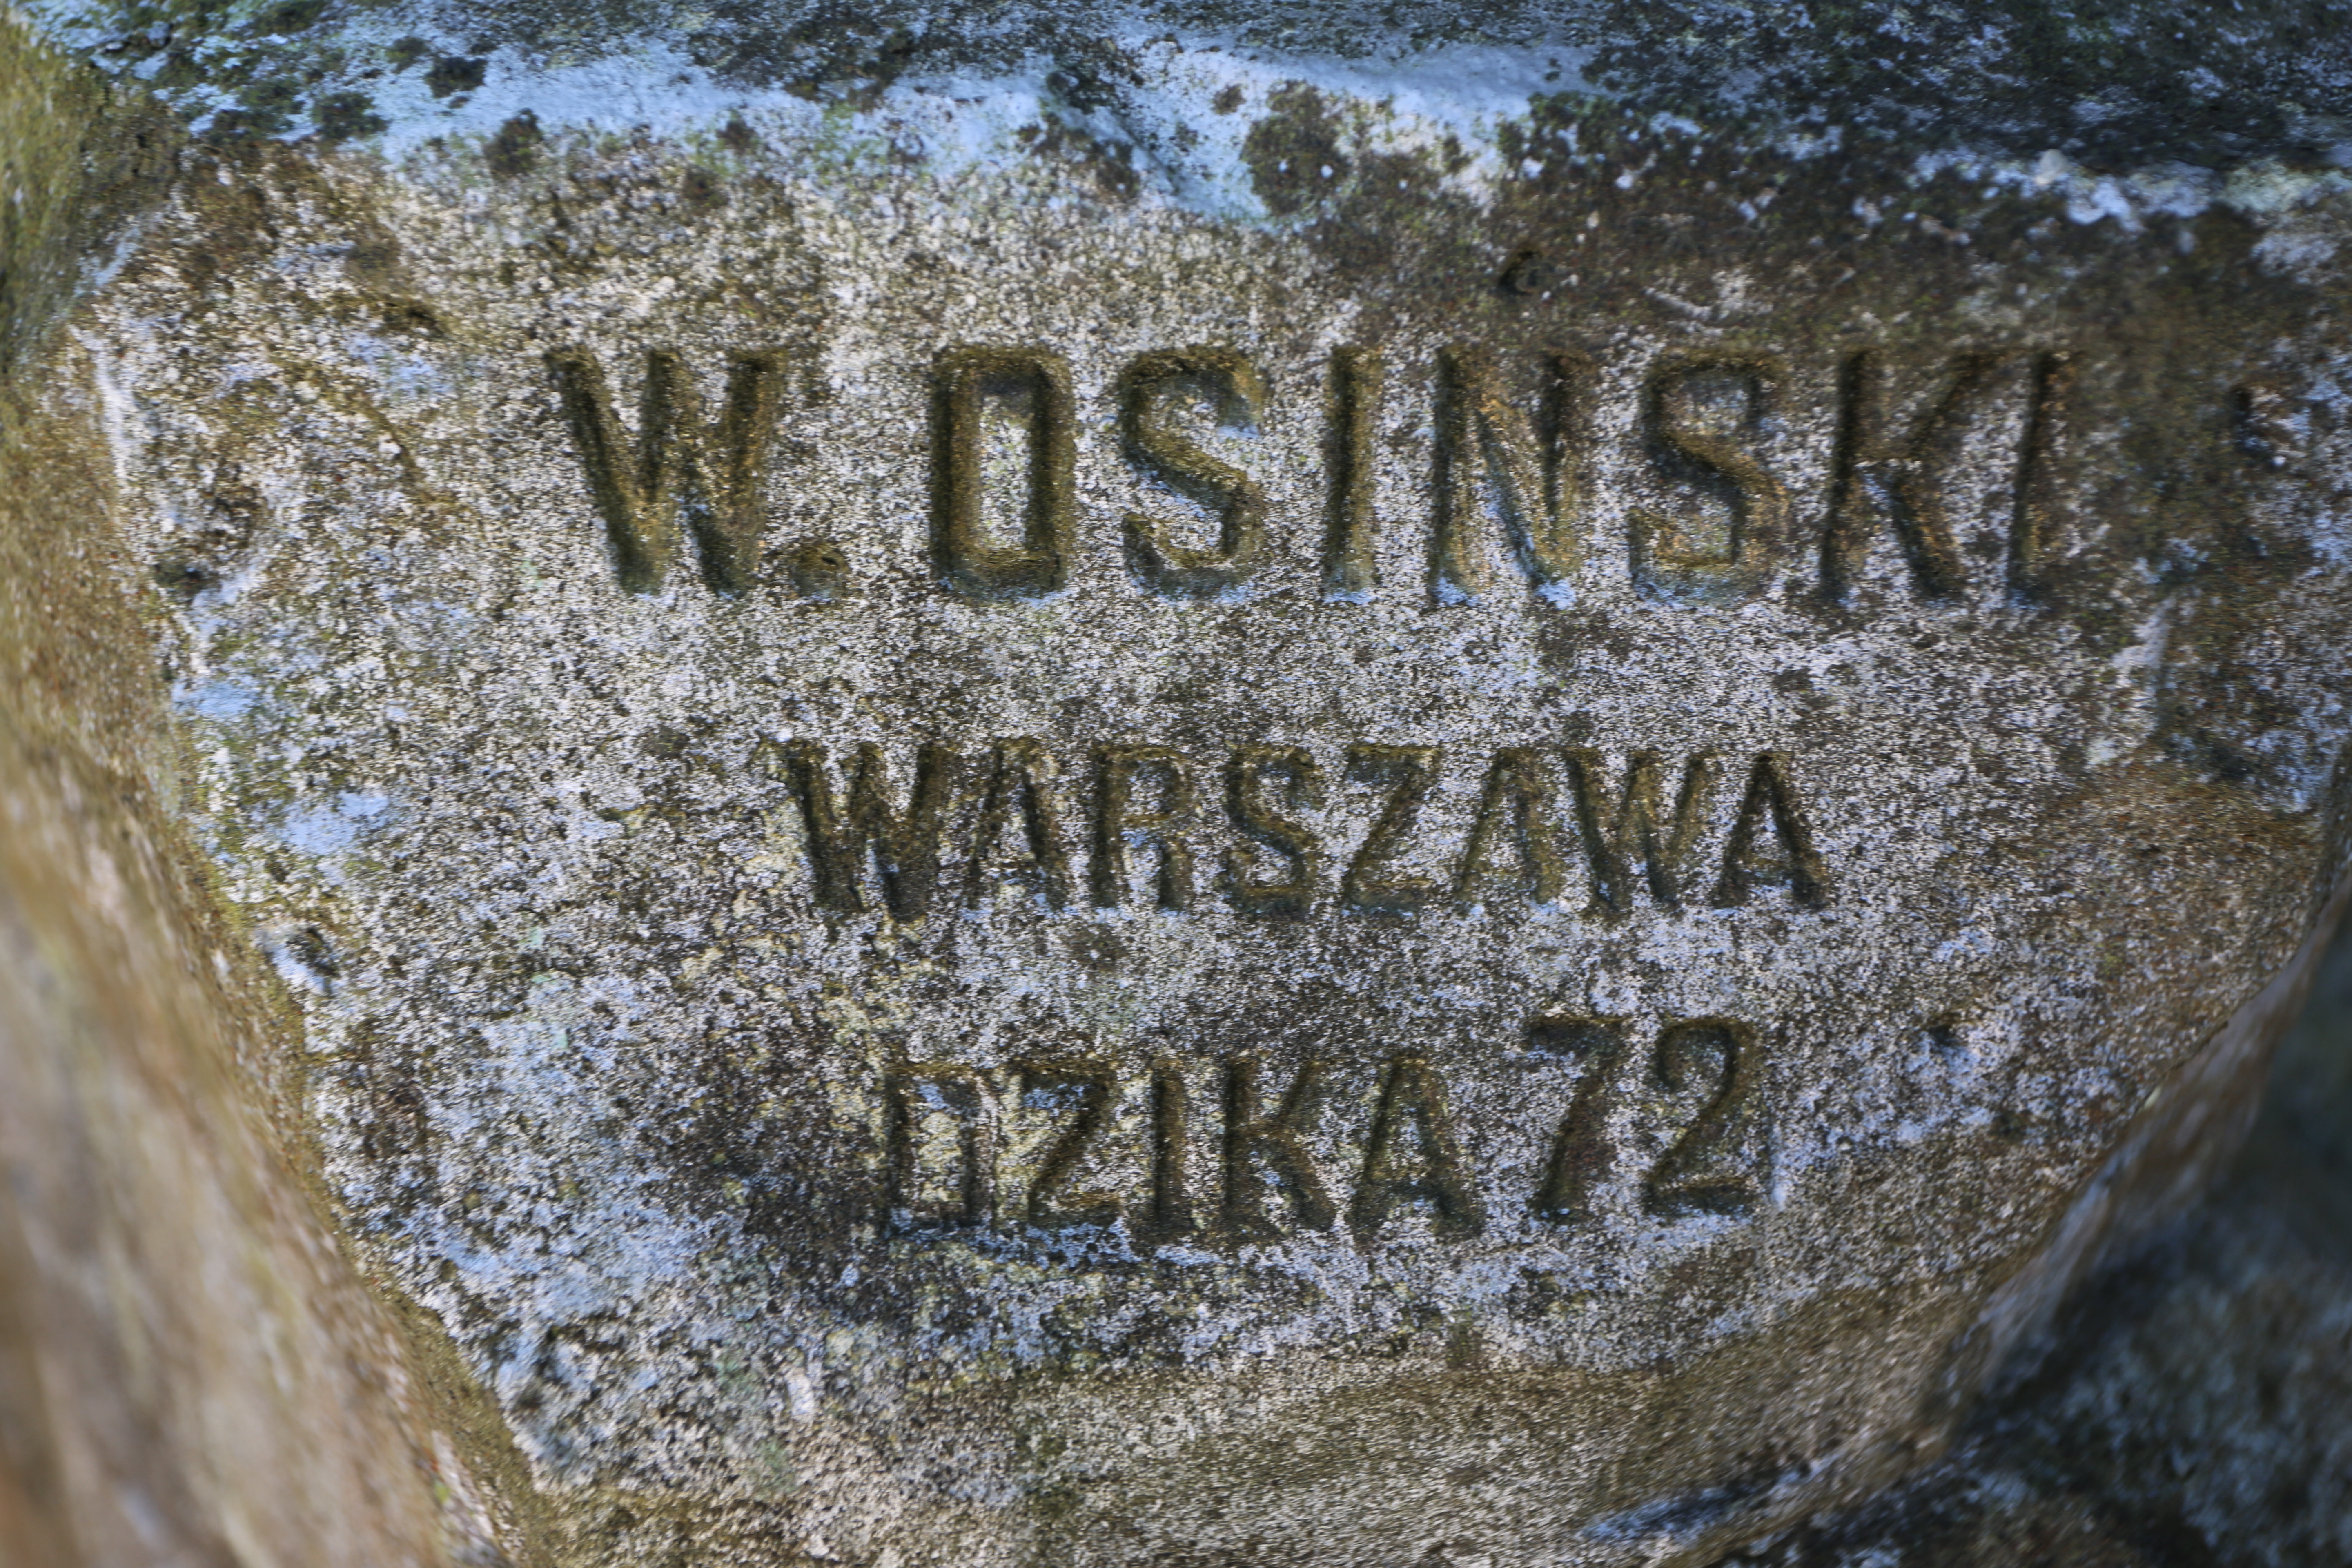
{"x": 1258, "y": 796}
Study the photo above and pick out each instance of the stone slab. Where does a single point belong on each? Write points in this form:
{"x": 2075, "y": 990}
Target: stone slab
{"x": 1268, "y": 803}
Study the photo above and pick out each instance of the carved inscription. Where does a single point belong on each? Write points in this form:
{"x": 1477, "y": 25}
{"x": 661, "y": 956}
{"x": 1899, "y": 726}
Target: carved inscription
{"x": 1509, "y": 478}
{"x": 680, "y": 468}
{"x": 1411, "y": 1154}
{"x": 874, "y": 846}
{"x": 1258, "y": 814}
{"x": 1230, "y": 383}
{"x": 1712, "y": 1166}
{"x": 903, "y": 843}
{"x": 1493, "y": 462}
{"x": 1771, "y": 841}
{"x": 1065, "y": 1146}
{"x": 1405, "y": 772}
{"x": 1083, "y": 1089}
{"x": 1125, "y": 827}
{"x": 1701, "y": 415}
{"x": 1906, "y": 479}
{"x": 1351, "y": 573}
{"x": 1267, "y": 1168}
{"x": 1517, "y": 820}
{"x": 1901, "y": 481}
{"x": 1019, "y": 804}
{"x": 1165, "y": 1212}
{"x": 1582, "y": 1155}
{"x": 938, "y": 1146}
{"x": 1630, "y": 828}
{"x": 1031, "y": 389}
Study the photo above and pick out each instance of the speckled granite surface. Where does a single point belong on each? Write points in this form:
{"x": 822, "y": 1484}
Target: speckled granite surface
{"x": 1025, "y": 785}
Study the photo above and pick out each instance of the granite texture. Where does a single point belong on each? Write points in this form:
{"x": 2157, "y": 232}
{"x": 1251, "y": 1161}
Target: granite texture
{"x": 1051, "y": 786}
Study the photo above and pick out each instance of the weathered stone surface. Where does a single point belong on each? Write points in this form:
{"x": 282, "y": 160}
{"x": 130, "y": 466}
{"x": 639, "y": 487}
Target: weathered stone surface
{"x": 190, "y": 1372}
{"x": 1201, "y": 801}
{"x": 2191, "y": 1410}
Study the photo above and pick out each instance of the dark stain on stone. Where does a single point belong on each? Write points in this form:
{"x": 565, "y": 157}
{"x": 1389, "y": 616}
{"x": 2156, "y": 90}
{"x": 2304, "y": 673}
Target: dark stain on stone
{"x": 265, "y": 107}
{"x": 1293, "y": 153}
{"x": 184, "y": 577}
{"x": 1082, "y": 88}
{"x": 1531, "y": 275}
{"x": 310, "y": 948}
{"x": 374, "y": 260}
{"x": 451, "y": 73}
{"x": 1111, "y": 163}
{"x": 700, "y": 190}
{"x": 341, "y": 116}
{"x": 514, "y": 151}
{"x": 293, "y": 16}
{"x": 413, "y": 318}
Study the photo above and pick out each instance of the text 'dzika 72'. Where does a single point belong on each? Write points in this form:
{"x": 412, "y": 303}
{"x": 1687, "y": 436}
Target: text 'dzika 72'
{"x": 1243, "y": 1149}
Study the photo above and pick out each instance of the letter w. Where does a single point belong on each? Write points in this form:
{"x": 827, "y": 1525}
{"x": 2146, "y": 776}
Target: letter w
{"x": 1638, "y": 831}
{"x": 904, "y": 846}
{"x": 680, "y": 465}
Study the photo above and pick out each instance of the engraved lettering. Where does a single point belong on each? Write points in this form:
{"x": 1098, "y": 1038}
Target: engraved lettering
{"x": 958, "y": 1160}
{"x": 1033, "y": 385}
{"x": 903, "y": 845}
{"x": 2034, "y": 527}
{"x": 1167, "y": 1211}
{"x": 1088, "y": 1087}
{"x": 1120, "y": 824}
{"x": 1020, "y": 796}
{"x": 1516, "y": 805}
{"x": 1147, "y": 389}
{"x": 874, "y": 846}
{"x": 680, "y": 466}
{"x": 1491, "y": 461}
{"x": 1279, "y": 1142}
{"x": 940, "y": 1151}
{"x": 1258, "y": 819}
{"x": 1638, "y": 831}
{"x": 1409, "y": 771}
{"x": 1581, "y": 1156}
{"x": 1907, "y": 482}
{"x": 1696, "y": 444}
{"x": 1712, "y": 1167}
{"x": 1771, "y": 800}
{"x": 1350, "y": 568}
{"x": 1414, "y": 1102}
